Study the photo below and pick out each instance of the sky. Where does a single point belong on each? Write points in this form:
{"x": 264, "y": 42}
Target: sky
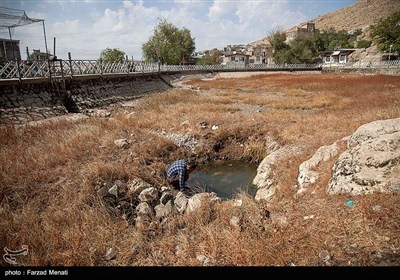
{"x": 86, "y": 27}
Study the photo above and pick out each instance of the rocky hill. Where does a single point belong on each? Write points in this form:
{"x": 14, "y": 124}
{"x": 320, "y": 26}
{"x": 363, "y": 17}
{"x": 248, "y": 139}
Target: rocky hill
{"x": 355, "y": 16}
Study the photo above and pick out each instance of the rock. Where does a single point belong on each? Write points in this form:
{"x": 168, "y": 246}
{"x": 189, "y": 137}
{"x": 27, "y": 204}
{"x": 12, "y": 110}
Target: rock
{"x": 137, "y": 186}
{"x": 264, "y": 194}
{"x": 165, "y": 197}
{"x": 308, "y": 217}
{"x": 181, "y": 202}
{"x": 113, "y": 190}
{"x": 196, "y": 201}
{"x": 235, "y": 222}
{"x": 265, "y": 171}
{"x": 102, "y": 191}
{"x": 203, "y": 124}
{"x": 376, "y": 208}
{"x": 143, "y": 209}
{"x": 238, "y": 202}
{"x": 214, "y": 127}
{"x": 371, "y": 164}
{"x": 307, "y": 175}
{"x": 148, "y": 195}
{"x": 203, "y": 259}
{"x": 373, "y": 130}
{"x": 135, "y": 250}
{"x": 324, "y": 256}
{"x": 164, "y": 210}
{"x": 110, "y": 254}
{"x": 122, "y": 143}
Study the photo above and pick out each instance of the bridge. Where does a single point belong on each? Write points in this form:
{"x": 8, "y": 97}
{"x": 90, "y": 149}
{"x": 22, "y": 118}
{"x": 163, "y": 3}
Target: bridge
{"x": 36, "y": 90}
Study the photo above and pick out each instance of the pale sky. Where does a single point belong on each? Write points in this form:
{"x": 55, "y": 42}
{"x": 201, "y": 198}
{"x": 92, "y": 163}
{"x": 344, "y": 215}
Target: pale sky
{"x": 86, "y": 27}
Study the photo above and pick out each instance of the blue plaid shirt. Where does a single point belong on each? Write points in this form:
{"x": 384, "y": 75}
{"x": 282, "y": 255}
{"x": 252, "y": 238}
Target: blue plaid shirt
{"x": 178, "y": 168}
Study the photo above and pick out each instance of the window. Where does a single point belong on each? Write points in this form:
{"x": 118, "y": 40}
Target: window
{"x": 342, "y": 58}
{"x": 232, "y": 58}
{"x": 251, "y": 60}
{"x": 258, "y": 58}
{"x": 327, "y": 58}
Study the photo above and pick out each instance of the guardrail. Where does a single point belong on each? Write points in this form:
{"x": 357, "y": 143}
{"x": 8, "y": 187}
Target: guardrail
{"x": 69, "y": 68}
{"x": 376, "y": 65}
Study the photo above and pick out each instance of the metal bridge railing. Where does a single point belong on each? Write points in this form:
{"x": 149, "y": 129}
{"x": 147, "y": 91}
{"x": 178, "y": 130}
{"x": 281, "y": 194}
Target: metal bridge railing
{"x": 70, "y": 68}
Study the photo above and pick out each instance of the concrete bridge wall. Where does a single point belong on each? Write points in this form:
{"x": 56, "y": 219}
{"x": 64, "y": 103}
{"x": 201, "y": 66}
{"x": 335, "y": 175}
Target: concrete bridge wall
{"x": 41, "y": 98}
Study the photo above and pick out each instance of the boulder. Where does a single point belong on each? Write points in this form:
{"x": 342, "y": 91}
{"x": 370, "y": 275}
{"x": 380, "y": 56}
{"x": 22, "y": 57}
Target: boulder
{"x": 148, "y": 195}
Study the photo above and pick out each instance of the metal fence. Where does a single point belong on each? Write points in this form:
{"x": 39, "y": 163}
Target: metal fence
{"x": 69, "y": 68}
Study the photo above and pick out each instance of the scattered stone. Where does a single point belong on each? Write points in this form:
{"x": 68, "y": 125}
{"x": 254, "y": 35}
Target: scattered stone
{"x": 135, "y": 250}
{"x": 238, "y": 202}
{"x": 376, "y": 208}
{"x": 181, "y": 202}
{"x": 165, "y": 197}
{"x": 148, "y": 195}
{"x": 214, "y": 127}
{"x": 122, "y": 143}
{"x": 203, "y": 124}
{"x": 235, "y": 222}
{"x": 203, "y": 259}
{"x": 308, "y": 217}
{"x": 164, "y": 210}
{"x": 143, "y": 209}
{"x": 110, "y": 254}
{"x": 113, "y": 190}
{"x": 102, "y": 191}
{"x": 324, "y": 256}
{"x": 137, "y": 186}
{"x": 196, "y": 201}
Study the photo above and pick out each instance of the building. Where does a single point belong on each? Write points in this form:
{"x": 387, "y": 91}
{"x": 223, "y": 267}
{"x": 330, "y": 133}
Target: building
{"x": 337, "y": 56}
{"x": 307, "y": 28}
{"x": 37, "y": 55}
{"x": 237, "y": 59}
{"x": 9, "y": 50}
{"x": 260, "y": 54}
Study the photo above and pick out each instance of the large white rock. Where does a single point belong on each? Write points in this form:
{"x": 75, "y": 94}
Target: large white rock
{"x": 372, "y": 165}
{"x": 148, "y": 195}
{"x": 196, "y": 201}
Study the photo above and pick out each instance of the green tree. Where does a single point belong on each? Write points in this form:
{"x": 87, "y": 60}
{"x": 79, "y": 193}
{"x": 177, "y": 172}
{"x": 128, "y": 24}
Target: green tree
{"x": 281, "y": 50}
{"x": 169, "y": 44}
{"x": 386, "y": 33}
{"x": 109, "y": 55}
{"x": 303, "y": 49}
{"x": 210, "y": 57}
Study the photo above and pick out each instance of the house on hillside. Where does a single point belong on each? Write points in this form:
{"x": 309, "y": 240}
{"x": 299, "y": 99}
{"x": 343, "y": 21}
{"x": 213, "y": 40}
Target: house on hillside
{"x": 261, "y": 54}
{"x": 37, "y": 55}
{"x": 337, "y": 56}
{"x": 237, "y": 59}
{"x": 307, "y": 28}
{"x": 9, "y": 50}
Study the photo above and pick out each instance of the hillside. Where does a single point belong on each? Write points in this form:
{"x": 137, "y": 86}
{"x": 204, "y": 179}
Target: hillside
{"x": 358, "y": 15}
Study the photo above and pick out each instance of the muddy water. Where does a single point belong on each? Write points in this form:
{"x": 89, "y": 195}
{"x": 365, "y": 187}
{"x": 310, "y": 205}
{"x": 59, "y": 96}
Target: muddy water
{"x": 225, "y": 178}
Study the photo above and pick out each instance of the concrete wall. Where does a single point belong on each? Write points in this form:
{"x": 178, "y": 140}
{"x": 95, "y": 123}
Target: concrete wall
{"x": 36, "y": 99}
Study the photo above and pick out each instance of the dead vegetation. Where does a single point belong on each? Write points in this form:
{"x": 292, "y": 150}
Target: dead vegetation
{"x": 49, "y": 174}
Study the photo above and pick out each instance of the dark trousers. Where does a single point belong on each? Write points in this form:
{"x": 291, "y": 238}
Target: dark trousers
{"x": 174, "y": 181}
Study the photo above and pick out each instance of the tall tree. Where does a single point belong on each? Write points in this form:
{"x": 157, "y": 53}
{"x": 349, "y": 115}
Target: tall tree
{"x": 210, "y": 57}
{"x": 169, "y": 44}
{"x": 386, "y": 33}
{"x": 277, "y": 38}
{"x": 109, "y": 55}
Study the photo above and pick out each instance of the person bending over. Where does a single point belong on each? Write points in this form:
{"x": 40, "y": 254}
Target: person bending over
{"x": 178, "y": 173}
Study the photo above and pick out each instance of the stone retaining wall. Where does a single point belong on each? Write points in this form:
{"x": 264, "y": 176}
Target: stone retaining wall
{"x": 37, "y": 99}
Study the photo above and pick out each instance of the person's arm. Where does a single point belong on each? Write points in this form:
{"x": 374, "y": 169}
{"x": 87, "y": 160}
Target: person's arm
{"x": 182, "y": 179}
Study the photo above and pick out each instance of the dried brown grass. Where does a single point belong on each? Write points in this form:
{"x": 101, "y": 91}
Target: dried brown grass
{"x": 49, "y": 174}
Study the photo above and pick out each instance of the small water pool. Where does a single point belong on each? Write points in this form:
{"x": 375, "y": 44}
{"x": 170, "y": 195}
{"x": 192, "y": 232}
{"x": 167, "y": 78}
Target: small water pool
{"x": 225, "y": 178}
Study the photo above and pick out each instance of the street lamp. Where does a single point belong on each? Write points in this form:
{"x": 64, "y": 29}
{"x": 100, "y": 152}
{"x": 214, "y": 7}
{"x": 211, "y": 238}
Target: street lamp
{"x": 390, "y": 50}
